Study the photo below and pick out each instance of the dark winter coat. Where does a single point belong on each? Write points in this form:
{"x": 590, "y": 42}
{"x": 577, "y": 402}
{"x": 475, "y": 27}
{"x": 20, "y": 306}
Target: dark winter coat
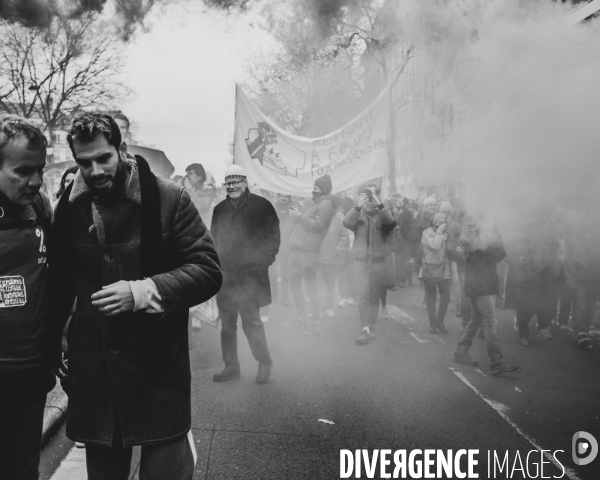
{"x": 133, "y": 366}
{"x": 371, "y": 233}
{"x": 247, "y": 239}
{"x": 481, "y": 272}
{"x": 311, "y": 227}
{"x": 532, "y": 273}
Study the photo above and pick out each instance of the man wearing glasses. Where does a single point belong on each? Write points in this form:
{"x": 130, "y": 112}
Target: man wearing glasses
{"x": 245, "y": 230}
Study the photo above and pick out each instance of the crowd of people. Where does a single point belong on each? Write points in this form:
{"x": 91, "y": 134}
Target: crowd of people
{"x": 122, "y": 255}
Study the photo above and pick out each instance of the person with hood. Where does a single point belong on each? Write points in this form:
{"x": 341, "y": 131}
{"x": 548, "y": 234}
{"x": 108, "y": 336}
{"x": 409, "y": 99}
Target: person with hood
{"x": 582, "y": 272}
{"x": 305, "y": 245}
{"x": 436, "y": 272}
{"x": 133, "y": 250}
{"x": 483, "y": 250}
{"x": 245, "y": 229}
{"x": 372, "y": 223}
{"x": 533, "y": 270}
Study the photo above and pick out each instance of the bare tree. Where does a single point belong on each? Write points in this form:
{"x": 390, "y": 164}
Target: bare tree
{"x": 52, "y": 72}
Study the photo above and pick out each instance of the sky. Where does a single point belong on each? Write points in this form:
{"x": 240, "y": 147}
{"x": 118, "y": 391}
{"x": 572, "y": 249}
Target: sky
{"x": 182, "y": 72}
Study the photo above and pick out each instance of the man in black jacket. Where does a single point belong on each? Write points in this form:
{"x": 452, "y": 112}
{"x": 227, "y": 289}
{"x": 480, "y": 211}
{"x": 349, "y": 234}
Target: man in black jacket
{"x": 25, "y": 376}
{"x": 245, "y": 229}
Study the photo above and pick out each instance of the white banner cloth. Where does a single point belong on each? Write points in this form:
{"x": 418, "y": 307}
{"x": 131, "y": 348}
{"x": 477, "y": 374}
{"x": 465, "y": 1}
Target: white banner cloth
{"x": 284, "y": 163}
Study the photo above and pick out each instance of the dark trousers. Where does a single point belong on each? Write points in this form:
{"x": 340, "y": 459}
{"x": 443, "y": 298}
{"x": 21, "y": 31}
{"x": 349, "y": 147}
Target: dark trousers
{"x": 465, "y": 302}
{"x": 431, "y": 290}
{"x": 173, "y": 460}
{"x": 346, "y": 277}
{"x": 330, "y": 275}
{"x": 403, "y": 267}
{"x": 566, "y": 301}
{"x": 369, "y": 280}
{"x": 303, "y": 265}
{"x": 22, "y": 402}
{"x": 252, "y": 326}
{"x": 483, "y": 314}
{"x": 280, "y": 269}
{"x": 544, "y": 318}
{"x": 383, "y": 296}
{"x": 585, "y": 296}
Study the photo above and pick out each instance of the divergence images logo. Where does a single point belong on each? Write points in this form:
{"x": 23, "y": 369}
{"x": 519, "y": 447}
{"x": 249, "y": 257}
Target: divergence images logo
{"x": 585, "y": 448}
{"x": 273, "y": 151}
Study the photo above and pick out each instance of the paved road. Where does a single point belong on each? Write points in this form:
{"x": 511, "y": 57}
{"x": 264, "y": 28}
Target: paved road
{"x": 402, "y": 391}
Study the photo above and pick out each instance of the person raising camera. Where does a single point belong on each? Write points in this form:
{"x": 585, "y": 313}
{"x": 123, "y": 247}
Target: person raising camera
{"x": 372, "y": 224}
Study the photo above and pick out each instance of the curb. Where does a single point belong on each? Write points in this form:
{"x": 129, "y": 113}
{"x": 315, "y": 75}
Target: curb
{"x": 55, "y": 411}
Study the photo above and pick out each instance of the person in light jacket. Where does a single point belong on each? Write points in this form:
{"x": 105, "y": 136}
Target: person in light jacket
{"x": 436, "y": 272}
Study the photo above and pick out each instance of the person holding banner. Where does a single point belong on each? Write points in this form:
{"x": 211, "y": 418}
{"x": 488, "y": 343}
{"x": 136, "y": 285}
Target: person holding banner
{"x": 245, "y": 229}
{"x": 305, "y": 247}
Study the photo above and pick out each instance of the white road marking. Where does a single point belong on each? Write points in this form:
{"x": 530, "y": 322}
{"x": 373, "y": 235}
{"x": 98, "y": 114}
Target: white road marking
{"x": 72, "y": 467}
{"x": 418, "y": 338}
{"x": 438, "y": 338}
{"x": 502, "y": 410}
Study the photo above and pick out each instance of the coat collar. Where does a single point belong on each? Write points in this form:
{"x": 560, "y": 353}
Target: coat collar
{"x": 133, "y": 191}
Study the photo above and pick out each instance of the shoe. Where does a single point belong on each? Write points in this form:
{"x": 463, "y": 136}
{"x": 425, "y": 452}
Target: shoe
{"x": 583, "y": 341}
{"x": 294, "y": 323}
{"x": 432, "y": 331}
{"x": 442, "y": 329}
{"x": 343, "y": 303}
{"x": 545, "y": 334}
{"x": 372, "y": 334}
{"x": 565, "y": 328}
{"x": 384, "y": 313}
{"x": 329, "y": 312}
{"x": 364, "y": 337}
{"x": 515, "y": 326}
{"x": 80, "y": 445}
{"x": 230, "y": 372}
{"x": 465, "y": 359}
{"x": 350, "y": 301}
{"x": 524, "y": 341}
{"x": 264, "y": 372}
{"x": 312, "y": 328}
{"x": 264, "y": 318}
{"x": 502, "y": 368}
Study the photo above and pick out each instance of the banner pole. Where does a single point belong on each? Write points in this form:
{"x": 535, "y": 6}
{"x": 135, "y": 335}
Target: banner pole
{"x": 235, "y": 122}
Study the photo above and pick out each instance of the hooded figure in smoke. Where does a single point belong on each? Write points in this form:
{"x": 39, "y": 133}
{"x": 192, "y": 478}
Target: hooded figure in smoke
{"x": 483, "y": 250}
{"x": 245, "y": 230}
{"x": 305, "y": 246}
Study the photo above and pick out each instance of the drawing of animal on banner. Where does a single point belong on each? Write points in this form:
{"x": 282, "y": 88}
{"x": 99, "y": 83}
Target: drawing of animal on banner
{"x": 273, "y": 151}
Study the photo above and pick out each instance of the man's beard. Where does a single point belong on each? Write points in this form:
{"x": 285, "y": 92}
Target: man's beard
{"x": 112, "y": 194}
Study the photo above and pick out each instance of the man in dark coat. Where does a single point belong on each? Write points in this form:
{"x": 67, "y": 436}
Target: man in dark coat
{"x": 483, "y": 250}
{"x": 134, "y": 251}
{"x": 25, "y": 229}
{"x": 245, "y": 229}
{"x": 531, "y": 286}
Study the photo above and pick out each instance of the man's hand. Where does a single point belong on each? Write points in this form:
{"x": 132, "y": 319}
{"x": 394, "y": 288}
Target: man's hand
{"x": 114, "y": 299}
{"x": 294, "y": 212}
{"x": 362, "y": 200}
{"x": 441, "y": 229}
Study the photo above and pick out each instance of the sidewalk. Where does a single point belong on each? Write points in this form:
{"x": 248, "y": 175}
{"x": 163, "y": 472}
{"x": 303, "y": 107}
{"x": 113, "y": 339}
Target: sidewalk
{"x": 55, "y": 411}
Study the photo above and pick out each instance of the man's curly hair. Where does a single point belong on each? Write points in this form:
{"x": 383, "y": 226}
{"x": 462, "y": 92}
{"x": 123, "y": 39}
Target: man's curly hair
{"x": 13, "y": 126}
{"x": 87, "y": 127}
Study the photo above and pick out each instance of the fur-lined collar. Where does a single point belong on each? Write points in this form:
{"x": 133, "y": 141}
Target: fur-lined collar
{"x": 133, "y": 191}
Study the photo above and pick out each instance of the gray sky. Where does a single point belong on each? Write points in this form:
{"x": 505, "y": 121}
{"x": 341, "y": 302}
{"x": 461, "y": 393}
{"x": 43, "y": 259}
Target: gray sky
{"x": 183, "y": 73}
